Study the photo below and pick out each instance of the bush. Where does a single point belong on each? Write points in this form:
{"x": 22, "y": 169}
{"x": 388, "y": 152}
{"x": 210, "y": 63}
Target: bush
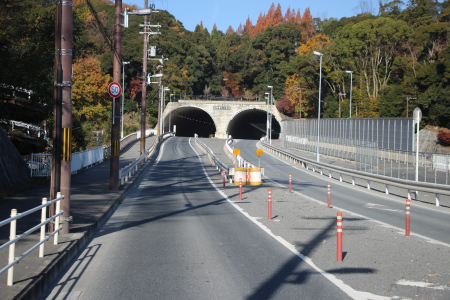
{"x": 444, "y": 137}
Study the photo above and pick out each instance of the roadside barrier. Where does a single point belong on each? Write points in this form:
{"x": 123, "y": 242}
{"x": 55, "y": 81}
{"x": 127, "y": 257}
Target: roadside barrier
{"x": 269, "y": 205}
{"x": 128, "y": 171}
{"x": 14, "y": 238}
{"x": 408, "y": 220}
{"x": 339, "y": 237}
{"x": 351, "y": 175}
{"x": 240, "y": 176}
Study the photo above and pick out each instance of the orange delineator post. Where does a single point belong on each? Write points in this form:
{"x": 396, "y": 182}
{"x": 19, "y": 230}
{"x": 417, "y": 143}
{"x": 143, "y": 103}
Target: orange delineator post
{"x": 240, "y": 189}
{"x": 224, "y": 177}
{"x": 339, "y": 238}
{"x": 269, "y": 205}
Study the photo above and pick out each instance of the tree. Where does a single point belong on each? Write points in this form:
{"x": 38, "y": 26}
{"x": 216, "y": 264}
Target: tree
{"x": 90, "y": 90}
{"x": 372, "y": 45}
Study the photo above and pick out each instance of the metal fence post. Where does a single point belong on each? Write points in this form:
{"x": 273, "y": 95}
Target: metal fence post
{"x": 43, "y": 218}
{"x": 12, "y": 248}
{"x": 58, "y": 209}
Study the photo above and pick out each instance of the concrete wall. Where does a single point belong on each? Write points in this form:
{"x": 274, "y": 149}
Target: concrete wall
{"x": 221, "y": 112}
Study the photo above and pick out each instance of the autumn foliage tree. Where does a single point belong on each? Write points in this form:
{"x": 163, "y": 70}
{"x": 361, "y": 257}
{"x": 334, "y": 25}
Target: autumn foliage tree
{"x": 444, "y": 137}
{"x": 90, "y": 97}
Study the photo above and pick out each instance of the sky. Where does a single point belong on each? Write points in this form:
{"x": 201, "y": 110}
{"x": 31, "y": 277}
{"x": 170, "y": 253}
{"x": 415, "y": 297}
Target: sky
{"x": 234, "y": 12}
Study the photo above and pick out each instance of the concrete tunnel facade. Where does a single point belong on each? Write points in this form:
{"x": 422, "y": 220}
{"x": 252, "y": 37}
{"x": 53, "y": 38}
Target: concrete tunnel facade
{"x": 240, "y": 119}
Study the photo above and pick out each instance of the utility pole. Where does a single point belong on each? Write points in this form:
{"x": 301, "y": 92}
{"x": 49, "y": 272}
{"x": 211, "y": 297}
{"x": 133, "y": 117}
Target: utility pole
{"x": 62, "y": 129}
{"x": 144, "y": 82}
{"x": 115, "y": 129}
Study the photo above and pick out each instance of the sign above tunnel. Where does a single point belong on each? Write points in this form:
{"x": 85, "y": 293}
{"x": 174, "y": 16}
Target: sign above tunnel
{"x": 222, "y": 107}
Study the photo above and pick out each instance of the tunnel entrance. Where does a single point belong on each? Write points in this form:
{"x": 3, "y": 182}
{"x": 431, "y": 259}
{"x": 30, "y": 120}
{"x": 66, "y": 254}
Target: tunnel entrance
{"x": 190, "y": 121}
{"x": 251, "y": 125}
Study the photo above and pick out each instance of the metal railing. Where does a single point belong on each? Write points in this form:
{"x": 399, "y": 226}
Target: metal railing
{"x": 128, "y": 171}
{"x": 212, "y": 157}
{"x": 352, "y": 175}
{"x": 432, "y": 167}
{"x": 14, "y": 238}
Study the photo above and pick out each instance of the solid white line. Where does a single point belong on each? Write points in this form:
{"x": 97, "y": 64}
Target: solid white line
{"x": 423, "y": 284}
{"x": 400, "y": 230}
{"x": 339, "y": 283}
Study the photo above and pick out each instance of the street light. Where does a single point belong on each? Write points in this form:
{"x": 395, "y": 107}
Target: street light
{"x": 170, "y": 117}
{"x": 351, "y": 87}
{"x": 123, "y": 96}
{"x": 318, "y": 113}
{"x": 417, "y": 118}
{"x": 162, "y": 107}
{"x": 269, "y": 115}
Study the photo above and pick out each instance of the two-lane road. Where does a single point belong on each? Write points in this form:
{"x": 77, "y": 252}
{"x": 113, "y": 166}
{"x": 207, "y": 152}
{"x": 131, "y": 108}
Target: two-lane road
{"x": 176, "y": 237}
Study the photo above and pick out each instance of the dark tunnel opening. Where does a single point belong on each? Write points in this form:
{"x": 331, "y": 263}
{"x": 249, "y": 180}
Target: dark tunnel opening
{"x": 190, "y": 121}
{"x": 251, "y": 125}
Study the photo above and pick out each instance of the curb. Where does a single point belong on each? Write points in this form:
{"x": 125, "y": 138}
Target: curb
{"x": 44, "y": 278}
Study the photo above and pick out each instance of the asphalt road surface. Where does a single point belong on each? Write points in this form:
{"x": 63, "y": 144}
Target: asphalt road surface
{"x": 176, "y": 237}
{"x": 429, "y": 221}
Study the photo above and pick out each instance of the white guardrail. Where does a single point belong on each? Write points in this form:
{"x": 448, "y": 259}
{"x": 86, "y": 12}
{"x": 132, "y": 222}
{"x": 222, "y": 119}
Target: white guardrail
{"x": 13, "y": 238}
{"x": 408, "y": 185}
{"x": 132, "y": 167}
{"x": 212, "y": 157}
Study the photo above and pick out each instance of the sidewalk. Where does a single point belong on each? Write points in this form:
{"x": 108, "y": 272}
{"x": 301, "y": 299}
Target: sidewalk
{"x": 91, "y": 204}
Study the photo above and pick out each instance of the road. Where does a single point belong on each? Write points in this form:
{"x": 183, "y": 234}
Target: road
{"x": 427, "y": 220}
{"x": 176, "y": 237}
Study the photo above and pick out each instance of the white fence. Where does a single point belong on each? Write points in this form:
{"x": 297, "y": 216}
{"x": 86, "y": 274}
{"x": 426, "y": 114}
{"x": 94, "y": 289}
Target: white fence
{"x": 41, "y": 164}
{"x": 84, "y": 159}
{"x": 14, "y": 238}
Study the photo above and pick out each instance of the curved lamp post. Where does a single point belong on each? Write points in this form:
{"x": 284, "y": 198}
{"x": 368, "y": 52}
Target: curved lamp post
{"x": 269, "y": 118}
{"x": 351, "y": 87}
{"x": 318, "y": 112}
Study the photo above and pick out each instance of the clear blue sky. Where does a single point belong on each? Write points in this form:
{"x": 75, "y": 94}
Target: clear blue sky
{"x": 233, "y": 12}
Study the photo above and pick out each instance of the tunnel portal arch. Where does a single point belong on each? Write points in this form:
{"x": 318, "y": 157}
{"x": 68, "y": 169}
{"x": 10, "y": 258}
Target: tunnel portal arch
{"x": 252, "y": 124}
{"x": 189, "y": 121}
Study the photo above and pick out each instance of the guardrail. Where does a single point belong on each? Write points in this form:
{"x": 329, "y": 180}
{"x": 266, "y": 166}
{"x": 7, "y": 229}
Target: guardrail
{"x": 14, "y": 238}
{"x": 369, "y": 158}
{"x": 328, "y": 170}
{"x": 132, "y": 167}
{"x": 238, "y": 160}
{"x": 212, "y": 157}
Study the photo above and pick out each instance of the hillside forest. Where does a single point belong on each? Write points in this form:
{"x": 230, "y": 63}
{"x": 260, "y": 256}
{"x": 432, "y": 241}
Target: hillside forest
{"x": 399, "y": 59}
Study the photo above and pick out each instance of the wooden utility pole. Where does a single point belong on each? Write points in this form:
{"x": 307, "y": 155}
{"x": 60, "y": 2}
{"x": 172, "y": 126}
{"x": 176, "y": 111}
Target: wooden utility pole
{"x": 144, "y": 83}
{"x": 62, "y": 128}
{"x": 115, "y": 129}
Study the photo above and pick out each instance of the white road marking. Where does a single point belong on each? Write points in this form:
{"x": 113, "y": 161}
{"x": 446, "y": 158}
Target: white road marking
{"x": 423, "y": 284}
{"x": 400, "y": 230}
{"x": 339, "y": 283}
{"x": 381, "y": 207}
